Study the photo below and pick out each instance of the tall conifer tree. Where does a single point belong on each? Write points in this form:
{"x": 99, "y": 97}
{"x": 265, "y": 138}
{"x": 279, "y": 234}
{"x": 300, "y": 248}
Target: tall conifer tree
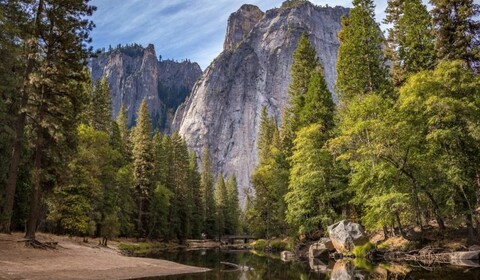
{"x": 232, "y": 224}
{"x": 360, "y": 63}
{"x": 411, "y": 39}
{"x": 221, "y": 200}
{"x": 142, "y": 165}
{"x": 457, "y": 30}
{"x": 208, "y": 199}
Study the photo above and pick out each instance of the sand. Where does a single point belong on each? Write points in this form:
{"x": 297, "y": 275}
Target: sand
{"x": 74, "y": 259}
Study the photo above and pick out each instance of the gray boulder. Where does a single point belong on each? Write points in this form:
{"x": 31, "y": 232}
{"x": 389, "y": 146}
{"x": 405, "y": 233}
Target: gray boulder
{"x": 321, "y": 249}
{"x": 287, "y": 256}
{"x": 345, "y": 235}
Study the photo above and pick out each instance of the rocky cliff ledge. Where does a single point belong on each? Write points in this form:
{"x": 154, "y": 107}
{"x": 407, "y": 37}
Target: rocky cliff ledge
{"x": 223, "y": 112}
{"x": 135, "y": 73}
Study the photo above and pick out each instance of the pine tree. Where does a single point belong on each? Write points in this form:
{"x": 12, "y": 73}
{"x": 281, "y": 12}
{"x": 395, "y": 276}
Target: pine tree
{"x": 221, "y": 200}
{"x": 457, "y": 30}
{"x": 56, "y": 91}
{"x": 232, "y": 223}
{"x": 142, "y": 165}
{"x": 312, "y": 188}
{"x": 160, "y": 207}
{"x": 100, "y": 107}
{"x": 208, "y": 200}
{"x": 122, "y": 122}
{"x": 10, "y": 68}
{"x": 87, "y": 199}
{"x": 410, "y": 43}
{"x": 360, "y": 62}
{"x": 270, "y": 181}
{"x": 319, "y": 105}
{"x": 304, "y": 62}
{"x": 49, "y": 79}
{"x": 196, "y": 195}
{"x": 313, "y": 184}
{"x": 180, "y": 212}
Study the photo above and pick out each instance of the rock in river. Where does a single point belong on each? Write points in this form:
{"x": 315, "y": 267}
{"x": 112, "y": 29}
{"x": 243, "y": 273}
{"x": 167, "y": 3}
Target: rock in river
{"x": 345, "y": 235}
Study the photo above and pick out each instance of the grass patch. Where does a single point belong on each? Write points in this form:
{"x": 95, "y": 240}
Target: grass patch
{"x": 141, "y": 248}
{"x": 259, "y": 245}
{"x": 383, "y": 246}
{"x": 275, "y": 245}
{"x": 361, "y": 251}
{"x": 278, "y": 245}
{"x": 363, "y": 264}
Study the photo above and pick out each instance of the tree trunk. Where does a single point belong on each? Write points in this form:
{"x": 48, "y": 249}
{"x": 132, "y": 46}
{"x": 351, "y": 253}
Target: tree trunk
{"x": 36, "y": 193}
{"x": 385, "y": 232}
{"x": 140, "y": 216}
{"x": 36, "y": 172}
{"x": 440, "y": 222}
{"x": 400, "y": 228}
{"x": 11, "y": 185}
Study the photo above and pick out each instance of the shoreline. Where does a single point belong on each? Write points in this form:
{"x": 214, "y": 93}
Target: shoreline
{"x": 74, "y": 259}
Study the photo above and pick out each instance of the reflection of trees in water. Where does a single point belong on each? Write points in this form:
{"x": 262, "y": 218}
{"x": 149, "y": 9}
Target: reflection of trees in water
{"x": 272, "y": 268}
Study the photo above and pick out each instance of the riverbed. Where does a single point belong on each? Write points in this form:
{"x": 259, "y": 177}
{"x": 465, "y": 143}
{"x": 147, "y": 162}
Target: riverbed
{"x": 269, "y": 267}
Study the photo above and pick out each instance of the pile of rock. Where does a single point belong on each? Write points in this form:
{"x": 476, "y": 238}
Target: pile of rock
{"x": 343, "y": 237}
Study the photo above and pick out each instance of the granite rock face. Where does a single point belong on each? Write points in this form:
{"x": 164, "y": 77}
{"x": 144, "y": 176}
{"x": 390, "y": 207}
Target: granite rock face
{"x": 135, "y": 73}
{"x": 223, "y": 111}
{"x": 240, "y": 24}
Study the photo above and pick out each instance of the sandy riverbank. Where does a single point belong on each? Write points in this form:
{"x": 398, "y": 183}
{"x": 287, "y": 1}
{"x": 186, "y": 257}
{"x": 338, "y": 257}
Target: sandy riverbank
{"x": 74, "y": 259}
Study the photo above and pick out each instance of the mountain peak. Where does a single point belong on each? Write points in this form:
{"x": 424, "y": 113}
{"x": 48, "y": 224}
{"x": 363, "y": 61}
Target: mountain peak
{"x": 240, "y": 23}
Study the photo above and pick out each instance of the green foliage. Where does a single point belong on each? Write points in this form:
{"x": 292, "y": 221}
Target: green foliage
{"x": 361, "y": 251}
{"x": 363, "y": 264}
{"x": 142, "y": 165}
{"x": 208, "y": 199}
{"x": 196, "y": 196}
{"x": 360, "y": 62}
{"x": 410, "y": 43}
{"x": 232, "y": 223}
{"x": 87, "y": 190}
{"x": 259, "y": 245}
{"x": 221, "y": 204}
{"x": 265, "y": 215}
{"x": 305, "y": 61}
{"x": 457, "y": 30}
{"x": 313, "y": 181}
{"x": 292, "y": 3}
{"x": 161, "y": 200}
{"x": 442, "y": 108}
{"x": 99, "y": 110}
{"x": 313, "y": 187}
{"x": 278, "y": 245}
{"x": 141, "y": 248}
{"x": 319, "y": 106}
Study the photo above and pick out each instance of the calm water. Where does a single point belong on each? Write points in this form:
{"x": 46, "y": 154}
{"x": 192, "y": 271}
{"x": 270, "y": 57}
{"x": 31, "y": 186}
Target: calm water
{"x": 272, "y": 268}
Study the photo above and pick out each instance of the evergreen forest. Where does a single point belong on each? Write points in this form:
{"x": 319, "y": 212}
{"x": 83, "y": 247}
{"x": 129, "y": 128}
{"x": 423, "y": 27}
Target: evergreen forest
{"x": 400, "y": 148}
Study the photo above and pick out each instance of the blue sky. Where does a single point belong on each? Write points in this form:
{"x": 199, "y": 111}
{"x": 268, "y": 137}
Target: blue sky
{"x": 179, "y": 29}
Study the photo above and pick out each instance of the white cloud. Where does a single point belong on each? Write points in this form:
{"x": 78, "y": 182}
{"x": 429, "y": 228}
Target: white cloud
{"x": 179, "y": 29}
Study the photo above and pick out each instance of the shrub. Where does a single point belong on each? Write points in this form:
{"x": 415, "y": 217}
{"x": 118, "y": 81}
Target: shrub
{"x": 278, "y": 245}
{"x": 260, "y": 244}
{"x": 361, "y": 251}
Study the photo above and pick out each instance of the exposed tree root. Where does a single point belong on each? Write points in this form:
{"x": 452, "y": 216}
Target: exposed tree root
{"x": 39, "y": 245}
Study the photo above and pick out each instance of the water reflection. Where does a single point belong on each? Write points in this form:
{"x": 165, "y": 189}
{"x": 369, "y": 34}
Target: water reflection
{"x": 271, "y": 267}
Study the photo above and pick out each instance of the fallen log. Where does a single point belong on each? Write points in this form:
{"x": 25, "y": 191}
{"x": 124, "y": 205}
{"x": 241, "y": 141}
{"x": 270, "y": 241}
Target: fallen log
{"x": 237, "y": 267}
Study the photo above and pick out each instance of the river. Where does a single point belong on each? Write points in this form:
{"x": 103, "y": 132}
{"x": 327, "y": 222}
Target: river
{"x": 257, "y": 266}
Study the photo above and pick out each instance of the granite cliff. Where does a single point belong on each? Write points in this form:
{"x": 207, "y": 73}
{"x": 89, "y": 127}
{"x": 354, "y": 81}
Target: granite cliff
{"x": 223, "y": 111}
{"x": 135, "y": 73}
